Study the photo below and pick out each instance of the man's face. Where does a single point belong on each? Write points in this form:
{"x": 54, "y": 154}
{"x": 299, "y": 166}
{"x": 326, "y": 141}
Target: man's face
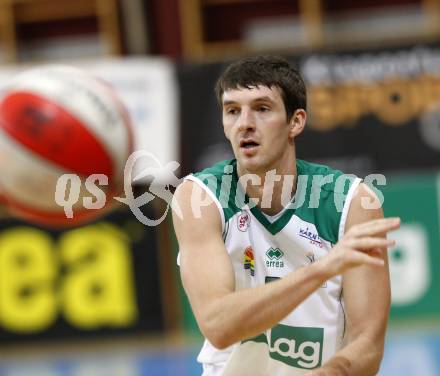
{"x": 255, "y": 122}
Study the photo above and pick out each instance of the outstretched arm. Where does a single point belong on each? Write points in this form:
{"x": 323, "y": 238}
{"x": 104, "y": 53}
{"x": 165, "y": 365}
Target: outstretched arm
{"x": 226, "y": 316}
{"x": 366, "y": 292}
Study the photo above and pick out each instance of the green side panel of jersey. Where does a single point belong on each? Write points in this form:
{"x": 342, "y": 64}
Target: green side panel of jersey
{"x": 324, "y": 194}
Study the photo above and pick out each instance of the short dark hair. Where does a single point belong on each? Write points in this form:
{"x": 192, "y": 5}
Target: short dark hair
{"x": 266, "y": 71}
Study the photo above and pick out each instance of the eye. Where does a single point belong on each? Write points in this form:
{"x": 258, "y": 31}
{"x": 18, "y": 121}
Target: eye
{"x": 232, "y": 111}
{"x": 263, "y": 109}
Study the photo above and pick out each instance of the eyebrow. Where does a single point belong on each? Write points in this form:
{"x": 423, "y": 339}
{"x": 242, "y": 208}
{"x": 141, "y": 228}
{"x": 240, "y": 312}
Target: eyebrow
{"x": 264, "y": 98}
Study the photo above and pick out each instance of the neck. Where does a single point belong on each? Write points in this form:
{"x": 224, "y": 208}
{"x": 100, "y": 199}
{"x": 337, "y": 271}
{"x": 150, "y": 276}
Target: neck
{"x": 276, "y": 185}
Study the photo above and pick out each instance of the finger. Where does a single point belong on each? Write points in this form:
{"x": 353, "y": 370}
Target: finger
{"x": 375, "y": 224}
{"x": 375, "y": 252}
{"x": 375, "y": 227}
{"x": 368, "y": 243}
{"x": 361, "y": 258}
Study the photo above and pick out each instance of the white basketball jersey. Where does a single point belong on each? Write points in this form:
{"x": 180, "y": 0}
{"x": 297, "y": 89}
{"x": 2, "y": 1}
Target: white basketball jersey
{"x": 263, "y": 249}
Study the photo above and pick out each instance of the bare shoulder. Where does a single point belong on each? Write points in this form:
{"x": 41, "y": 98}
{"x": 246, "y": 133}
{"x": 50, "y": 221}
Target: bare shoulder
{"x": 365, "y": 206}
{"x": 194, "y": 210}
{"x": 190, "y": 192}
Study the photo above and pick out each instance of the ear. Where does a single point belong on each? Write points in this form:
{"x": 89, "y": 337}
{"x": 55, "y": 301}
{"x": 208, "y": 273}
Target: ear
{"x": 297, "y": 123}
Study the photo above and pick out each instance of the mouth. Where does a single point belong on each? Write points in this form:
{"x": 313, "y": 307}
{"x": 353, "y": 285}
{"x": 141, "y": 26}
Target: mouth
{"x": 249, "y": 146}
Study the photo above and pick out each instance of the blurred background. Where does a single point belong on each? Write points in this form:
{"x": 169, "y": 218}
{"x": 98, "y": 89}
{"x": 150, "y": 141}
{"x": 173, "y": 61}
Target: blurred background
{"x": 372, "y": 69}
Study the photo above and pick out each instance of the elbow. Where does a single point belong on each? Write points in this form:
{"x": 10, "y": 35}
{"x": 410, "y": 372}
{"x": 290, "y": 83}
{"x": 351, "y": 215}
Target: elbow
{"x": 378, "y": 360}
{"x": 217, "y": 336}
{"x": 374, "y": 363}
{"x": 218, "y": 327}
{"x": 217, "y": 339}
{"x": 219, "y": 342}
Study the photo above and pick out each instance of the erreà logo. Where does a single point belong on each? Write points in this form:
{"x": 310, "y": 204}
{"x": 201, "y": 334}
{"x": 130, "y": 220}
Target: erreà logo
{"x": 274, "y": 255}
{"x": 299, "y": 347}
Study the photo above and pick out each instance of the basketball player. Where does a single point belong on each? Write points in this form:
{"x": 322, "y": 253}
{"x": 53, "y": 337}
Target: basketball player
{"x": 281, "y": 287}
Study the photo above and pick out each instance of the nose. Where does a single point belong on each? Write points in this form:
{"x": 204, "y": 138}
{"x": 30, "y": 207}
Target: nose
{"x": 246, "y": 120}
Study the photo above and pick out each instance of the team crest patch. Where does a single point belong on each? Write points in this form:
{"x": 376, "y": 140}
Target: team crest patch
{"x": 249, "y": 262}
{"x": 243, "y": 221}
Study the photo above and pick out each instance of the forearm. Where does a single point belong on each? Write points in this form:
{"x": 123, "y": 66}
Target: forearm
{"x": 247, "y": 313}
{"x": 361, "y": 357}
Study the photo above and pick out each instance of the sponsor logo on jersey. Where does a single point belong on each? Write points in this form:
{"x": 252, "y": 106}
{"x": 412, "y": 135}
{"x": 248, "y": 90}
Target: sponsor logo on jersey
{"x": 314, "y": 238}
{"x": 249, "y": 262}
{"x": 275, "y": 258}
{"x": 243, "y": 221}
{"x": 299, "y": 347}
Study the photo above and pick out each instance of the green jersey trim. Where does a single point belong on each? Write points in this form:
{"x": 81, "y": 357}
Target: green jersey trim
{"x": 221, "y": 180}
{"x": 322, "y": 197}
{"x": 201, "y": 184}
{"x": 276, "y": 226}
{"x": 348, "y": 200}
